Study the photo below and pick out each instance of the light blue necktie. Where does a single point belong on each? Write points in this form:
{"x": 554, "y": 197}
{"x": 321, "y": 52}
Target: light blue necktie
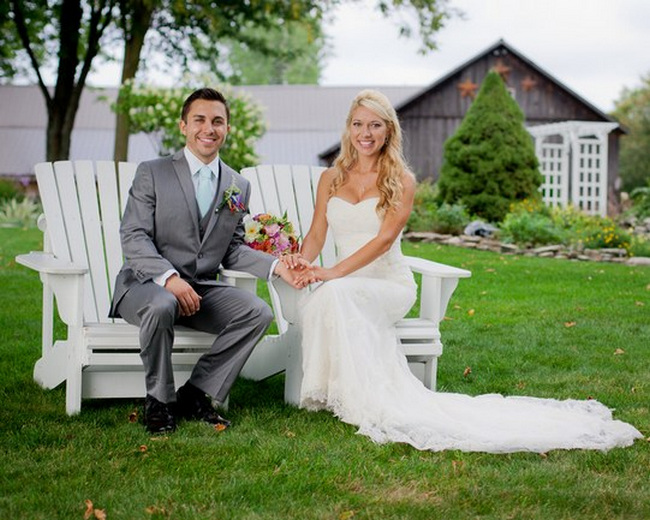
{"x": 204, "y": 193}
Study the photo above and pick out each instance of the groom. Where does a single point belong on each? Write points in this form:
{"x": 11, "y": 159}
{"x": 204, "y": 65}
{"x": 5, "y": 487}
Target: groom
{"x": 182, "y": 220}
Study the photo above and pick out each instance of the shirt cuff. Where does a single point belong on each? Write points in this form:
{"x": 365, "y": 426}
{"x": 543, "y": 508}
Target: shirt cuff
{"x": 162, "y": 279}
{"x": 272, "y": 276}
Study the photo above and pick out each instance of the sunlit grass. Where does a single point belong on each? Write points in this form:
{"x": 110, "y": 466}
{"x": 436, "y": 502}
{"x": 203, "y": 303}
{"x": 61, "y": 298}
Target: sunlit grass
{"x": 543, "y": 327}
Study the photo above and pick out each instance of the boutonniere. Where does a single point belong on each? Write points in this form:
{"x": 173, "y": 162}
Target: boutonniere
{"x": 233, "y": 198}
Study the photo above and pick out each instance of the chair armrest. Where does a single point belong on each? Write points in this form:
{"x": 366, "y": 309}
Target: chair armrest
{"x": 231, "y": 273}
{"x": 430, "y": 268}
{"x": 438, "y": 284}
{"x": 47, "y": 263}
{"x": 65, "y": 279}
{"x": 240, "y": 279}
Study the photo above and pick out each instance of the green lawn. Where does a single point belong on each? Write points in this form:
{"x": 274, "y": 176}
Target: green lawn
{"x": 542, "y": 327}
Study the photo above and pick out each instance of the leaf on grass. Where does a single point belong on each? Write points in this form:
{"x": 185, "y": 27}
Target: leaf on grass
{"x": 290, "y": 434}
{"x": 569, "y": 324}
{"x": 346, "y": 515}
{"x": 89, "y": 509}
{"x": 220, "y": 427}
{"x": 467, "y": 371}
{"x": 99, "y": 514}
{"x": 143, "y": 448}
{"x": 483, "y": 293}
{"x": 639, "y": 304}
{"x": 521, "y": 385}
{"x": 456, "y": 306}
{"x": 544, "y": 455}
{"x": 619, "y": 351}
{"x": 471, "y": 312}
{"x": 447, "y": 318}
{"x": 490, "y": 270}
{"x": 133, "y": 416}
{"x": 647, "y": 287}
{"x": 155, "y": 510}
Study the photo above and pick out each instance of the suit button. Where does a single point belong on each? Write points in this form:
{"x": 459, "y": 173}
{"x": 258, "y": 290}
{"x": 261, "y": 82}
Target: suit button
{"x": 200, "y": 255}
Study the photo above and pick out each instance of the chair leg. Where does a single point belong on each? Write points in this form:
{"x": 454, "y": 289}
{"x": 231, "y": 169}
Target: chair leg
{"x": 430, "y": 370}
{"x": 293, "y": 374}
{"x": 73, "y": 389}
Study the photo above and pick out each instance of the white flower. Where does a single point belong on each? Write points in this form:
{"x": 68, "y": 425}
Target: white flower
{"x": 251, "y": 228}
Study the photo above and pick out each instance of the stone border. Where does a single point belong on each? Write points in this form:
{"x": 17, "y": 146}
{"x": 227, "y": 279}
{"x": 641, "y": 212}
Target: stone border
{"x": 614, "y": 255}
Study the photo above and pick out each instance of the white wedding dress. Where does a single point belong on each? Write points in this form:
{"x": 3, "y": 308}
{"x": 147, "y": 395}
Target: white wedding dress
{"x": 353, "y": 367}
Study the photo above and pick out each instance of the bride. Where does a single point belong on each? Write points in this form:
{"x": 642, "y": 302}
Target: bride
{"x": 351, "y": 361}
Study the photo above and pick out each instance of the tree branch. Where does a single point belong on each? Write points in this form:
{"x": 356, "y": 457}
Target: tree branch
{"x": 21, "y": 27}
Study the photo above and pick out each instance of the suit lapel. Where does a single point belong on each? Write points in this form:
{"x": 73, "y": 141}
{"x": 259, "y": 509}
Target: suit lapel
{"x": 184, "y": 176}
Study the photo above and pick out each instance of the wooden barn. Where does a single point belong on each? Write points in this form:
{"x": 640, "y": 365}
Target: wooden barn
{"x": 433, "y": 115}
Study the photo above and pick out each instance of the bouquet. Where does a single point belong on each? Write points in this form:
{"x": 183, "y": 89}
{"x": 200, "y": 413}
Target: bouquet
{"x": 270, "y": 234}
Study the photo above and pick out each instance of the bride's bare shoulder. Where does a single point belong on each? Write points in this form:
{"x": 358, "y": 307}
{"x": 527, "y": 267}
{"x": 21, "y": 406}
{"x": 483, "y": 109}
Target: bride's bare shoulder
{"x": 327, "y": 178}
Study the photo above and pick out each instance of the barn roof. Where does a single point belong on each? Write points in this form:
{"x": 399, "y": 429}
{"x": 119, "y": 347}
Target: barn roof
{"x": 499, "y": 46}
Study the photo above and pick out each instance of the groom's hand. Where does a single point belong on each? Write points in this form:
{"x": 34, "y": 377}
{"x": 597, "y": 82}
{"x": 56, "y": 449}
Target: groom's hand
{"x": 188, "y": 299}
{"x": 288, "y": 275}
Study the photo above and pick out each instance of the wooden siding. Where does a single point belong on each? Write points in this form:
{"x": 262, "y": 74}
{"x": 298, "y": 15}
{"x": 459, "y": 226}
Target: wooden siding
{"x": 433, "y": 116}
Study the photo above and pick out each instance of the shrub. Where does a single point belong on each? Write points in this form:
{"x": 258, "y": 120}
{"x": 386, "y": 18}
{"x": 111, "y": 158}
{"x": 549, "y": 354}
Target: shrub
{"x": 427, "y": 215}
{"x": 641, "y": 199}
{"x": 530, "y": 228}
{"x": 18, "y": 212}
{"x": 639, "y": 246}
{"x": 8, "y": 190}
{"x": 490, "y": 161}
{"x": 450, "y": 218}
{"x": 598, "y": 232}
{"x": 424, "y": 207}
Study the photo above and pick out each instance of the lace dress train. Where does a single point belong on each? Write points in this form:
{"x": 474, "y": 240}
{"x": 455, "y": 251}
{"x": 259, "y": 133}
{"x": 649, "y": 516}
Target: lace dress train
{"x": 353, "y": 367}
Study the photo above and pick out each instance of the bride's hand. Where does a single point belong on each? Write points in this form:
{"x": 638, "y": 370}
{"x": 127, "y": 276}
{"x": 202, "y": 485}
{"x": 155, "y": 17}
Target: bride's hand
{"x": 315, "y": 274}
{"x": 294, "y": 261}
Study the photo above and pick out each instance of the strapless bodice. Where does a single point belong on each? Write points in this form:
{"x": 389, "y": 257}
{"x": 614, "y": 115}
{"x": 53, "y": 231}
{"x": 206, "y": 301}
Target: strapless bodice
{"x": 354, "y": 225}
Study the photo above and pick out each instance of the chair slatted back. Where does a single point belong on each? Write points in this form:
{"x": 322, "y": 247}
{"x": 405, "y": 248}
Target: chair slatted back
{"x": 280, "y": 188}
{"x": 83, "y": 202}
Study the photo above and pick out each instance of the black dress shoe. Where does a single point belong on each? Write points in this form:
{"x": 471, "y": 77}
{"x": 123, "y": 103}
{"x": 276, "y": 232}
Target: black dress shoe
{"x": 157, "y": 416}
{"x": 193, "y": 403}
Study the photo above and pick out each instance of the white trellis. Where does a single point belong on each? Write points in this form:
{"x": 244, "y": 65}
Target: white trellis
{"x": 573, "y": 157}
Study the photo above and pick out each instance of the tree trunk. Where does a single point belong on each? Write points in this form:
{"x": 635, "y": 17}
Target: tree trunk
{"x": 58, "y": 143}
{"x": 133, "y": 43}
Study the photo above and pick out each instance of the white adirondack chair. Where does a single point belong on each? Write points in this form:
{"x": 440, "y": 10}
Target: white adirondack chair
{"x": 276, "y": 189}
{"x": 83, "y": 203}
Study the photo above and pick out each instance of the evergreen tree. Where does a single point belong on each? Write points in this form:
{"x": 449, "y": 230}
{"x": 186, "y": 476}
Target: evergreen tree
{"x": 633, "y": 111}
{"x": 490, "y": 161}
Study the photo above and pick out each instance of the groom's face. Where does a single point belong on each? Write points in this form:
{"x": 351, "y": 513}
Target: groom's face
{"x": 205, "y": 128}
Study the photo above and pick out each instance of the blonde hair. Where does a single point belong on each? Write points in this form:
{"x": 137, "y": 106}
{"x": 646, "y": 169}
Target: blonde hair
{"x": 391, "y": 163}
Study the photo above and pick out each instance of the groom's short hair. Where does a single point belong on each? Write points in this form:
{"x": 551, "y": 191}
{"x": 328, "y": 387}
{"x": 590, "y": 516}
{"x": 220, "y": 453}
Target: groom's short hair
{"x": 209, "y": 94}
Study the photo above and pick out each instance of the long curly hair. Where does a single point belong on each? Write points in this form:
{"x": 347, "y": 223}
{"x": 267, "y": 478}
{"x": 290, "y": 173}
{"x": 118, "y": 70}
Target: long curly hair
{"x": 391, "y": 163}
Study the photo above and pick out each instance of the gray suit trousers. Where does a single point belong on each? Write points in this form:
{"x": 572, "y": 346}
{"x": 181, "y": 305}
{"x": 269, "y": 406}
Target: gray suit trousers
{"x": 237, "y": 317}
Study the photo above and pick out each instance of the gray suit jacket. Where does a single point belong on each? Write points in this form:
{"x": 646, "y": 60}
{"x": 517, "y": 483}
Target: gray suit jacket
{"x": 160, "y": 229}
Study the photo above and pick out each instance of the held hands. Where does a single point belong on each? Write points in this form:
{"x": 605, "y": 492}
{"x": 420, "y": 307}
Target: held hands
{"x": 302, "y": 272}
